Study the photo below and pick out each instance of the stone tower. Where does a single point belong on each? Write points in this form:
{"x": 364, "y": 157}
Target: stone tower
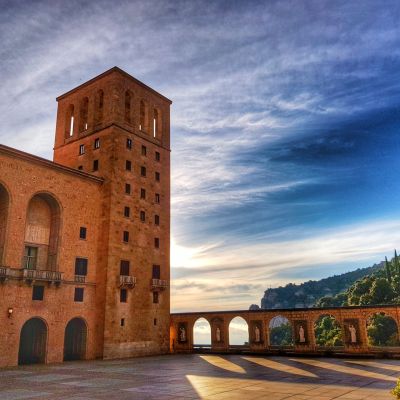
{"x": 117, "y": 128}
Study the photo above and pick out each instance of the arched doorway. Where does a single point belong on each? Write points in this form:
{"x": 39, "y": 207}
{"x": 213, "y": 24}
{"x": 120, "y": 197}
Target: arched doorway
{"x": 238, "y": 332}
{"x": 32, "y": 343}
{"x": 328, "y": 332}
{"x": 4, "y": 205}
{"x": 75, "y": 340}
{"x": 280, "y": 332}
{"x": 201, "y": 333}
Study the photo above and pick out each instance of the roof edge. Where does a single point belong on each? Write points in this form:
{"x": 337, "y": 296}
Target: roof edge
{"x": 47, "y": 163}
{"x": 108, "y": 72}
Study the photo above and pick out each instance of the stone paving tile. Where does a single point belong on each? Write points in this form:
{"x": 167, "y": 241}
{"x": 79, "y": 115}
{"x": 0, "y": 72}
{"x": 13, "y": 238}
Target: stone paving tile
{"x": 20, "y": 394}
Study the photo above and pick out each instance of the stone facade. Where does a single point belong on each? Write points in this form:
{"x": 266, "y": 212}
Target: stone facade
{"x": 97, "y": 218}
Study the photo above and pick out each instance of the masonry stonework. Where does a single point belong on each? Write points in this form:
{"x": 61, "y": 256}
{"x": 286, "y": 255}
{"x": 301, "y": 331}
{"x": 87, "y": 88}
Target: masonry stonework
{"x": 73, "y": 224}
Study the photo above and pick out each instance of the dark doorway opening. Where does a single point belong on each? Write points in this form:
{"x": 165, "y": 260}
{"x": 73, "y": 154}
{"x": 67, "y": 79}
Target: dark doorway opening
{"x": 32, "y": 344}
{"x": 75, "y": 340}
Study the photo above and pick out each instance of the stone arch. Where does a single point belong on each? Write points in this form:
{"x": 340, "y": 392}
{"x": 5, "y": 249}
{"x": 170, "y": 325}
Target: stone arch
{"x": 4, "y": 216}
{"x": 238, "y": 329}
{"x": 328, "y": 331}
{"x": 128, "y": 106}
{"x": 84, "y": 115}
{"x": 382, "y": 330}
{"x": 75, "y": 339}
{"x": 42, "y": 232}
{"x": 70, "y": 121}
{"x": 201, "y": 332}
{"x": 33, "y": 342}
{"x": 157, "y": 123}
{"x": 280, "y": 331}
{"x": 143, "y": 116}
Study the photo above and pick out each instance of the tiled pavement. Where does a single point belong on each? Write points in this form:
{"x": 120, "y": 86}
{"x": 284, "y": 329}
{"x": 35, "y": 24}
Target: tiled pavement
{"x": 203, "y": 377}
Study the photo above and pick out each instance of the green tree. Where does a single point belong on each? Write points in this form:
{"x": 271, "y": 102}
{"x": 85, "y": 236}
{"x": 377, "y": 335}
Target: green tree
{"x": 388, "y": 271}
{"x": 281, "y": 335}
{"x": 328, "y": 332}
{"x": 382, "y": 331}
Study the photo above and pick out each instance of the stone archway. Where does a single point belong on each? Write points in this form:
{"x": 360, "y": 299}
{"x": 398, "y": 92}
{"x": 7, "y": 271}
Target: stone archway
{"x": 238, "y": 332}
{"x": 75, "y": 340}
{"x": 201, "y": 333}
{"x": 32, "y": 344}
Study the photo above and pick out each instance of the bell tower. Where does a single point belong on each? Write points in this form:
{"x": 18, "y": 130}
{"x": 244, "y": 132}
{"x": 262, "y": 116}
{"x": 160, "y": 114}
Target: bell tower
{"x": 117, "y": 128}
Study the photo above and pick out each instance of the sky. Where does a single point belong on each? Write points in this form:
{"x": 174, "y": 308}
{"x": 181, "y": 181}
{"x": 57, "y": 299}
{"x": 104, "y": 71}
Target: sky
{"x": 285, "y": 126}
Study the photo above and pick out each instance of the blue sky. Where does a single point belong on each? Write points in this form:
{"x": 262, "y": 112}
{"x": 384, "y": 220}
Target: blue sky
{"x": 285, "y": 126}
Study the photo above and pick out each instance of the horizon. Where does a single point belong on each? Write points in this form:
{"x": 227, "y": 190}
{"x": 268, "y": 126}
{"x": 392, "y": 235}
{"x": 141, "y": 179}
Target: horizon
{"x": 284, "y": 127}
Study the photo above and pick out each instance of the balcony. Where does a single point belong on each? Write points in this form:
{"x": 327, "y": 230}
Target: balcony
{"x": 7, "y": 273}
{"x": 158, "y": 284}
{"x": 127, "y": 281}
{"x": 33, "y": 275}
{"x": 80, "y": 278}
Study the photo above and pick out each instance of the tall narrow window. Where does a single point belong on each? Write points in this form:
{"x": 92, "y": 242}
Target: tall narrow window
{"x": 156, "y": 272}
{"x": 123, "y": 296}
{"x": 142, "y": 193}
{"x": 83, "y": 115}
{"x": 156, "y": 123}
{"x": 144, "y": 150}
{"x": 78, "y": 295}
{"x": 128, "y": 100}
{"x": 157, "y": 243}
{"x": 97, "y": 143}
{"x": 155, "y": 301}
{"x": 125, "y": 236}
{"x": 156, "y": 220}
{"x": 127, "y": 212}
{"x": 127, "y": 188}
{"x": 82, "y": 232}
{"x": 129, "y": 143}
{"x": 124, "y": 268}
{"x": 81, "y": 149}
{"x": 69, "y": 128}
{"x": 99, "y": 107}
{"x": 142, "y": 125}
{"x": 142, "y": 216}
{"x": 158, "y": 156}
{"x": 95, "y": 165}
{"x": 81, "y": 266}
{"x": 128, "y": 165}
{"x": 37, "y": 292}
{"x": 157, "y": 176}
{"x": 143, "y": 171}
{"x": 157, "y": 198}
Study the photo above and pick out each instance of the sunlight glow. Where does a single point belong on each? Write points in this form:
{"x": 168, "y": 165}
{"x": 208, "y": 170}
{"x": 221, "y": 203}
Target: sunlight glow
{"x": 222, "y": 363}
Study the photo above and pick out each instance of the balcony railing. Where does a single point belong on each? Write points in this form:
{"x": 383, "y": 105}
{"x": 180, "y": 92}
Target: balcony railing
{"x": 40, "y": 275}
{"x": 158, "y": 284}
{"x": 127, "y": 281}
{"x": 80, "y": 278}
{"x": 7, "y": 272}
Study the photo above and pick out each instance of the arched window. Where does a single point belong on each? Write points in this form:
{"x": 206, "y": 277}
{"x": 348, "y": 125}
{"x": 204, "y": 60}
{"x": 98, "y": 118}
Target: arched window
{"x": 42, "y": 233}
{"x": 99, "y": 107}
{"x": 69, "y": 121}
{"x": 143, "y": 116}
{"x": 128, "y": 107}
{"x": 280, "y": 332}
{"x": 156, "y": 123}
{"x": 201, "y": 333}
{"x": 382, "y": 331}
{"x": 83, "y": 117}
{"x": 328, "y": 332}
{"x": 238, "y": 332}
{"x": 4, "y": 205}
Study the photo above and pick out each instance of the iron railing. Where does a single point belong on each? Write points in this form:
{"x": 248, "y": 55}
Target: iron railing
{"x": 127, "y": 281}
{"x": 157, "y": 284}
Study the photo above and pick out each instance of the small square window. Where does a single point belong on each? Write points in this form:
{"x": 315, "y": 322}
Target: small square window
{"x": 157, "y": 198}
{"x": 97, "y": 143}
{"x": 128, "y": 165}
{"x": 123, "y": 296}
{"x": 82, "y": 232}
{"x": 144, "y": 151}
{"x": 122, "y": 321}
{"x": 142, "y": 216}
{"x": 142, "y": 193}
{"x": 81, "y": 149}
{"x": 156, "y": 220}
{"x": 95, "y": 165}
{"x": 158, "y": 157}
{"x": 127, "y": 188}
{"x": 78, "y": 295}
{"x": 127, "y": 211}
{"x": 81, "y": 266}
{"x": 80, "y": 167}
{"x": 126, "y": 236}
{"x": 157, "y": 176}
{"x": 157, "y": 243}
{"x": 37, "y": 292}
{"x": 129, "y": 143}
{"x": 143, "y": 171}
{"x": 155, "y": 299}
{"x": 124, "y": 268}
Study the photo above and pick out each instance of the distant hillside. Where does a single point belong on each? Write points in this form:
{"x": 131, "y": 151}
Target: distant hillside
{"x": 308, "y": 293}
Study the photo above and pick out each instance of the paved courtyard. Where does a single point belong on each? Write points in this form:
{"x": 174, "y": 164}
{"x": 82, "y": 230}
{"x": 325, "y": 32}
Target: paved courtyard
{"x": 203, "y": 377}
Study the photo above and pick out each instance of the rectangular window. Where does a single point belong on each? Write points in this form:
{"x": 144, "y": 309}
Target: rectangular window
{"x": 37, "y": 292}
{"x": 122, "y": 321}
{"x": 82, "y": 232}
{"x": 129, "y": 143}
{"x": 128, "y": 165}
{"x": 95, "y": 165}
{"x": 157, "y": 243}
{"x": 78, "y": 295}
{"x": 155, "y": 301}
{"x": 144, "y": 150}
{"x": 156, "y": 272}
{"x": 158, "y": 157}
{"x": 157, "y": 176}
{"x": 127, "y": 211}
{"x": 142, "y": 193}
{"x": 124, "y": 267}
{"x": 127, "y": 188}
{"x": 30, "y": 257}
{"x": 80, "y": 167}
{"x": 156, "y": 220}
{"x": 143, "y": 171}
{"x": 126, "y": 236}
{"x": 97, "y": 143}
{"x": 157, "y": 198}
{"x": 123, "y": 296}
{"x": 81, "y": 266}
{"x": 81, "y": 149}
{"x": 155, "y": 320}
{"x": 142, "y": 216}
